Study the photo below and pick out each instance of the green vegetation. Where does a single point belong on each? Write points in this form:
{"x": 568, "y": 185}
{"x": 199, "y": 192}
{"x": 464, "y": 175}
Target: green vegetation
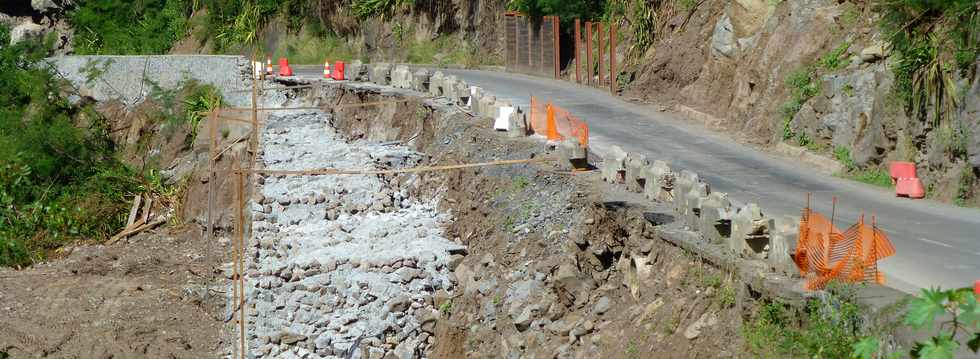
{"x": 833, "y": 326}
{"x": 833, "y": 60}
{"x": 59, "y": 180}
{"x": 873, "y": 176}
{"x": 932, "y": 41}
{"x": 965, "y": 186}
{"x": 962, "y": 309}
{"x": 368, "y": 8}
{"x": 124, "y": 27}
{"x": 567, "y": 10}
{"x": 802, "y": 88}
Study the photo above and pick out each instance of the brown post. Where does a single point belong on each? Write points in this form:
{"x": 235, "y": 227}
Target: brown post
{"x": 255, "y": 119}
{"x": 578, "y": 51}
{"x": 241, "y": 261}
{"x": 517, "y": 41}
{"x": 588, "y": 52}
{"x": 612, "y": 58}
{"x": 601, "y": 49}
{"x": 555, "y": 29}
{"x": 530, "y": 54}
{"x": 541, "y": 47}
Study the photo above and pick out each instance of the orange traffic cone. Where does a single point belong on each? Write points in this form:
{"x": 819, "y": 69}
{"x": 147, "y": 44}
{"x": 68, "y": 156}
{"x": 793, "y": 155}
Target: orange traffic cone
{"x": 284, "y": 69}
{"x": 552, "y": 128}
{"x": 268, "y": 66}
{"x": 326, "y": 69}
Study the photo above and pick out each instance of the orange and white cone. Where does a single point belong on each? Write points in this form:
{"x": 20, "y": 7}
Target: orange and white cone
{"x": 268, "y": 66}
{"x": 326, "y": 69}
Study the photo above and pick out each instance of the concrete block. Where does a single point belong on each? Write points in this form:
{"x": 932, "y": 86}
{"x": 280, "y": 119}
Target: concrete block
{"x": 635, "y": 164}
{"x": 692, "y": 204}
{"x": 475, "y": 94}
{"x": 380, "y": 74}
{"x": 462, "y": 92}
{"x": 783, "y": 239}
{"x": 716, "y": 218}
{"x": 571, "y": 154}
{"x": 518, "y": 124}
{"x": 354, "y": 71}
{"x": 659, "y": 181}
{"x": 682, "y": 186}
{"x": 449, "y": 88}
{"x": 501, "y": 118}
{"x": 420, "y": 80}
{"x": 435, "y": 84}
{"x": 750, "y": 232}
{"x": 613, "y": 165}
{"x": 401, "y": 77}
{"x": 486, "y": 106}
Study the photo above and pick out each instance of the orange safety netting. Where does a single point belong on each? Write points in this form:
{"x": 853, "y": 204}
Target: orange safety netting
{"x": 556, "y": 123}
{"x": 824, "y": 254}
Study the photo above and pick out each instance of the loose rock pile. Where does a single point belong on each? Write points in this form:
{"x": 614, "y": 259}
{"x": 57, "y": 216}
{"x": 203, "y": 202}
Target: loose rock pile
{"x": 341, "y": 261}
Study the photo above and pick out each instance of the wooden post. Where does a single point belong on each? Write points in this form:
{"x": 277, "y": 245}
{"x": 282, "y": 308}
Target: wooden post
{"x": 240, "y": 269}
{"x": 612, "y": 58}
{"x": 601, "y": 49}
{"x": 588, "y": 52}
{"x": 530, "y": 54}
{"x": 578, "y": 51}
{"x": 541, "y": 46}
{"x": 555, "y": 28}
{"x": 212, "y": 137}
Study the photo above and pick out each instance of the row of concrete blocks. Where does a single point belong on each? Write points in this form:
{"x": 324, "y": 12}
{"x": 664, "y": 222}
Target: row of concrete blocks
{"x": 507, "y": 117}
{"x": 742, "y": 228}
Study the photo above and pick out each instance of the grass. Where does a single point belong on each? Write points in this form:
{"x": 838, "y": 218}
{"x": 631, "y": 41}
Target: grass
{"x": 802, "y": 88}
{"x": 836, "y": 59}
{"x": 832, "y": 327}
{"x": 309, "y": 49}
{"x": 872, "y": 175}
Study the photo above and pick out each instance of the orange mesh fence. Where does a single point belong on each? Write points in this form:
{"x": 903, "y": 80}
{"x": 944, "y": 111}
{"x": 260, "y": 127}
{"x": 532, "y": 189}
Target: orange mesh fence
{"x": 824, "y": 254}
{"x": 556, "y": 123}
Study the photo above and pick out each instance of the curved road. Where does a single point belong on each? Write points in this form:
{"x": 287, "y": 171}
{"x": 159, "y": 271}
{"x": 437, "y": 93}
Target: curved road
{"x": 937, "y": 244}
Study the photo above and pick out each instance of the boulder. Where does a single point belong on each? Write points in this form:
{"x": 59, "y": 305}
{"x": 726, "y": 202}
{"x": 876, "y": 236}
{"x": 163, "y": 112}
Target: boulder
{"x": 24, "y": 31}
{"x": 635, "y": 164}
{"x": 716, "y": 218}
{"x": 659, "y": 181}
{"x": 723, "y": 39}
{"x": 449, "y": 88}
{"x": 614, "y": 165}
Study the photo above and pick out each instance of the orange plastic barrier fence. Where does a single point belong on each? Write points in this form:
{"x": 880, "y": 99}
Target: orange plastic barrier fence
{"x": 824, "y": 254}
{"x": 556, "y": 123}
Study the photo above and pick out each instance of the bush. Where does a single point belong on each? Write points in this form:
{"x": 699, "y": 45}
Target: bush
{"x": 59, "y": 179}
{"x": 129, "y": 28}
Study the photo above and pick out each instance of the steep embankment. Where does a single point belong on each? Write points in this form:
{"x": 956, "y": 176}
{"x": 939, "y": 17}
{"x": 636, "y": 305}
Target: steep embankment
{"x": 816, "y": 74}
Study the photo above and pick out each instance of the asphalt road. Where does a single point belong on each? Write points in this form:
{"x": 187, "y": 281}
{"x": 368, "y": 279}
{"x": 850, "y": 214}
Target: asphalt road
{"x": 937, "y": 244}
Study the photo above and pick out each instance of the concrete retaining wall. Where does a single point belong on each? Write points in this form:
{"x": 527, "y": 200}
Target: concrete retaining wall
{"x": 130, "y": 78}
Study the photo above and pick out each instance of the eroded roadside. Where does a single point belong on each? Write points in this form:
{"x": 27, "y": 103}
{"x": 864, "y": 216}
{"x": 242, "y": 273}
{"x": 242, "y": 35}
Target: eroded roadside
{"x": 341, "y": 263}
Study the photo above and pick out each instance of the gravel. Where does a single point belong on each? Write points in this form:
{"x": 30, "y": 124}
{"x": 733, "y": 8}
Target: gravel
{"x": 341, "y": 258}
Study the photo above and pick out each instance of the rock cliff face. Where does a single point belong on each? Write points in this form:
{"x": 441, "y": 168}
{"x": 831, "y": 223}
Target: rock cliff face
{"x": 810, "y": 72}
